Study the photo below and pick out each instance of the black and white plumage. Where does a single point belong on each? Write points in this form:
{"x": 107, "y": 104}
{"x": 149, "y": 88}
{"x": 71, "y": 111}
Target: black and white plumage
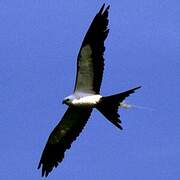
{"x": 90, "y": 66}
{"x": 90, "y": 63}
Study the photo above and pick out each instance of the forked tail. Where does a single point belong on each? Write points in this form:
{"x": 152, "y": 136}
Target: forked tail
{"x": 109, "y": 105}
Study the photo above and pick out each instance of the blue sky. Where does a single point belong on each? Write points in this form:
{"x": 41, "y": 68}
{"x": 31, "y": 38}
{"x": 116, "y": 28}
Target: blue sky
{"x": 39, "y": 42}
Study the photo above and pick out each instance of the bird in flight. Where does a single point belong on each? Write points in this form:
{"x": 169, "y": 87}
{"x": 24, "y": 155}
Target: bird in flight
{"x": 86, "y": 95}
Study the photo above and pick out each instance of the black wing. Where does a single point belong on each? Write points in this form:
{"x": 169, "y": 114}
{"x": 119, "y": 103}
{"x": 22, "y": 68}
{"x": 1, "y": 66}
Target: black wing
{"x": 90, "y": 61}
{"x": 62, "y": 136}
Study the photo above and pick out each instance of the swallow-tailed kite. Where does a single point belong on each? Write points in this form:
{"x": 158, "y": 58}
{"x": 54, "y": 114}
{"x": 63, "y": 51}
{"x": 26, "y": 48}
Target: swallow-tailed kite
{"x": 86, "y": 95}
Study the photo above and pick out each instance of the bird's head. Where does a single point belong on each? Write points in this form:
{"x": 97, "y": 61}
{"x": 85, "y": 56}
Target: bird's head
{"x": 68, "y": 100}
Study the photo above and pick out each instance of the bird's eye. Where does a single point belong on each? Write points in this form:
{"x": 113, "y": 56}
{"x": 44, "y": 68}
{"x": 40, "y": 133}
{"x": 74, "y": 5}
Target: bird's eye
{"x": 65, "y": 101}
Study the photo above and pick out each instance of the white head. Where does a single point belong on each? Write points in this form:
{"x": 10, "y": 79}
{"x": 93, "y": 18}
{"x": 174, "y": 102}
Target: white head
{"x": 68, "y": 100}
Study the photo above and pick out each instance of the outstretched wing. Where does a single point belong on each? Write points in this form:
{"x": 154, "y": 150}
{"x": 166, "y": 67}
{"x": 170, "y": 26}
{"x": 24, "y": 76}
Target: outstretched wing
{"x": 62, "y": 136}
{"x": 90, "y": 61}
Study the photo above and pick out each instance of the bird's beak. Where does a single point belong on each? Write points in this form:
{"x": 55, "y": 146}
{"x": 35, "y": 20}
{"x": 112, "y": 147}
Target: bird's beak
{"x": 63, "y": 102}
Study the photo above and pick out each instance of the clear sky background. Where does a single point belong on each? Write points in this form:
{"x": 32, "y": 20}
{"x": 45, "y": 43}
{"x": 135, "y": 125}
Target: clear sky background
{"x": 39, "y": 42}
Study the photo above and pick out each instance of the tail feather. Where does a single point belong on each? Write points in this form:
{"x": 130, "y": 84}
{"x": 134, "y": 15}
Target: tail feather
{"x": 109, "y": 105}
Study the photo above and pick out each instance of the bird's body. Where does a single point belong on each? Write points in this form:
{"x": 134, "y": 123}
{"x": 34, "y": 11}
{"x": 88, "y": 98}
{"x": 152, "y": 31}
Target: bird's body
{"x": 87, "y": 101}
{"x": 86, "y": 95}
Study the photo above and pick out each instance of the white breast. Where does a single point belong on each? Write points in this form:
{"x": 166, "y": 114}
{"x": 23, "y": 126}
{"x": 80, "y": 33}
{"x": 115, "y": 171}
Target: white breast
{"x": 87, "y": 100}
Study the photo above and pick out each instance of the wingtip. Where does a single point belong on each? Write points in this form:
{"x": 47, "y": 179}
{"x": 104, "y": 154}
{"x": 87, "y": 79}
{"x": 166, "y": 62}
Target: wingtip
{"x": 119, "y": 127}
{"x": 46, "y": 174}
{"x": 137, "y": 87}
{"x": 108, "y": 7}
{"x": 134, "y": 89}
{"x": 102, "y": 8}
{"x": 39, "y": 165}
{"x": 43, "y": 173}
